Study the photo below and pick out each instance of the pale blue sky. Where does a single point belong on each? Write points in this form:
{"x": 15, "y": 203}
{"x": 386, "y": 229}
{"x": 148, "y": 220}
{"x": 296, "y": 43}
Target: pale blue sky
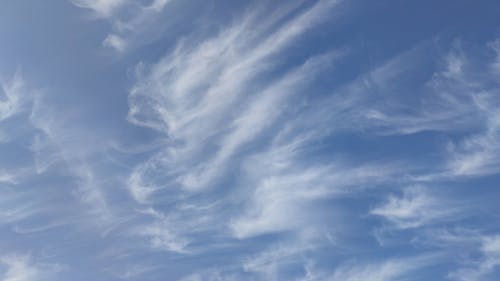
{"x": 249, "y": 140}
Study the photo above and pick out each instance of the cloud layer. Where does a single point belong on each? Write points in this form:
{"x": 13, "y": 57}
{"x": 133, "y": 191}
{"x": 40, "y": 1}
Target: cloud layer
{"x": 306, "y": 140}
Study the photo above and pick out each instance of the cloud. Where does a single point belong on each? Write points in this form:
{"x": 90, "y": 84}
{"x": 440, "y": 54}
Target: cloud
{"x": 216, "y": 67}
{"x": 18, "y": 269}
{"x": 214, "y": 275}
{"x": 474, "y": 155}
{"x": 191, "y": 93}
{"x": 395, "y": 269}
{"x": 487, "y": 263}
{"x": 7, "y": 178}
{"x": 163, "y": 236}
{"x": 23, "y": 268}
{"x": 287, "y": 187}
{"x": 454, "y": 100}
{"x": 262, "y": 147}
{"x": 495, "y": 46}
{"x": 275, "y": 261}
{"x": 129, "y": 19}
{"x": 102, "y": 8}
{"x": 59, "y": 145}
{"x": 416, "y": 207}
{"x": 132, "y": 271}
{"x": 14, "y": 95}
{"x": 441, "y": 104}
{"x": 282, "y": 203}
{"x": 14, "y": 209}
{"x": 260, "y": 115}
{"x": 115, "y": 41}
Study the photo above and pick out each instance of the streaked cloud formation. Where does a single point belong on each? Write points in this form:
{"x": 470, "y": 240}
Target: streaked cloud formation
{"x": 128, "y": 19}
{"x": 22, "y": 268}
{"x": 207, "y": 140}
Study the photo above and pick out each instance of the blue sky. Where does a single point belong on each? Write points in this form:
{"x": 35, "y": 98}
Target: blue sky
{"x": 249, "y": 140}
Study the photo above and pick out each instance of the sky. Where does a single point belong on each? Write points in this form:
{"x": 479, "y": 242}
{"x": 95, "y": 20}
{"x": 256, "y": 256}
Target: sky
{"x": 212, "y": 140}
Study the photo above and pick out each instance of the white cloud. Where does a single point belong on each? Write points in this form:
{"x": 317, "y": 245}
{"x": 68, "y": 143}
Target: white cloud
{"x": 191, "y": 93}
{"x": 417, "y": 207}
{"x": 116, "y": 42}
{"x": 217, "y": 111}
{"x": 128, "y": 19}
{"x": 273, "y": 262}
{"x": 103, "y": 8}
{"x": 131, "y": 271}
{"x": 253, "y": 174}
{"x": 286, "y": 190}
{"x": 441, "y": 104}
{"x": 455, "y": 62}
{"x": 59, "y": 144}
{"x": 473, "y": 254}
{"x": 475, "y": 155}
{"x": 455, "y": 99}
{"x": 480, "y": 269}
{"x": 166, "y": 233}
{"x": 14, "y": 209}
{"x": 190, "y": 84}
{"x": 283, "y": 203}
{"x": 214, "y": 275}
{"x": 142, "y": 17}
{"x": 395, "y": 269}
{"x": 178, "y": 228}
{"x": 24, "y": 268}
{"x": 163, "y": 237}
{"x": 7, "y": 177}
{"x": 261, "y": 114}
{"x": 13, "y": 96}
{"x": 495, "y": 46}
{"x": 18, "y": 269}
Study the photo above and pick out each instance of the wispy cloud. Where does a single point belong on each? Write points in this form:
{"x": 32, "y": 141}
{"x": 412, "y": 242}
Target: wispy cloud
{"x": 395, "y": 269}
{"x": 495, "y": 46}
{"x": 102, "y": 8}
{"x": 116, "y": 42}
{"x": 163, "y": 234}
{"x": 190, "y": 94}
{"x": 270, "y": 141}
{"x": 14, "y": 96}
{"x": 474, "y": 155}
{"x": 7, "y": 178}
{"x": 416, "y": 207}
{"x": 57, "y": 146}
{"x": 482, "y": 267}
{"x": 442, "y": 104}
{"x": 128, "y": 19}
{"x": 285, "y": 197}
{"x": 23, "y": 268}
